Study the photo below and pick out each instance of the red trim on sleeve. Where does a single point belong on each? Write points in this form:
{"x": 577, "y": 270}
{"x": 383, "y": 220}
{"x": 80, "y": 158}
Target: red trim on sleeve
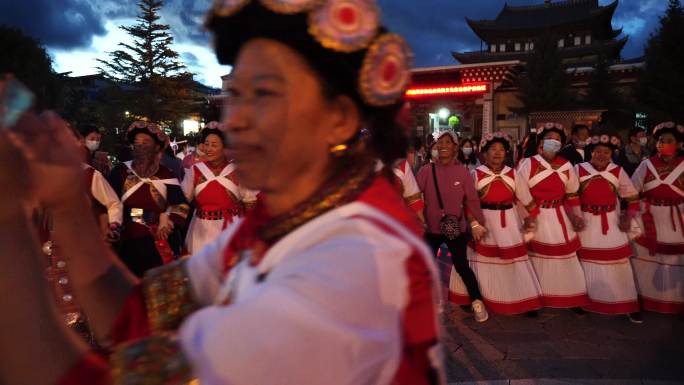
{"x": 132, "y": 322}
{"x": 418, "y": 205}
{"x": 91, "y": 369}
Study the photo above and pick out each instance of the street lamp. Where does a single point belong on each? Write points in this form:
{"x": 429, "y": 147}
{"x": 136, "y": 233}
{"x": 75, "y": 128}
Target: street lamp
{"x": 443, "y": 113}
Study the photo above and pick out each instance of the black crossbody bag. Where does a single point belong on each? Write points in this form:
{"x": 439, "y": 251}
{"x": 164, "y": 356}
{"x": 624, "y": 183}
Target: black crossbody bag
{"x": 449, "y": 225}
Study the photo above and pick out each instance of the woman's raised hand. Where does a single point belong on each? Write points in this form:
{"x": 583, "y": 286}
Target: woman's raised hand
{"x": 50, "y": 156}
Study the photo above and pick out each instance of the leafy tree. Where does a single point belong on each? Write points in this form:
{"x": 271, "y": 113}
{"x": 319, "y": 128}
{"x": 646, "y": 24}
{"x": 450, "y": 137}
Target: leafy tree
{"x": 159, "y": 86}
{"x": 661, "y": 86}
{"x": 27, "y": 59}
{"x": 545, "y": 84}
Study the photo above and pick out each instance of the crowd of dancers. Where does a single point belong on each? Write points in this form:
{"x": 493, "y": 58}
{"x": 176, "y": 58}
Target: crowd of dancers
{"x": 557, "y": 233}
{"x": 551, "y": 232}
{"x": 316, "y": 268}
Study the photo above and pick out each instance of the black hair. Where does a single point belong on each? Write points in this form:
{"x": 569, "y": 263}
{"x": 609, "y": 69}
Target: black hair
{"x": 634, "y": 131}
{"x": 542, "y": 135}
{"x": 506, "y": 144}
{"x": 209, "y": 131}
{"x": 679, "y": 137}
{"x": 339, "y": 72}
{"x": 461, "y": 156}
{"x": 576, "y": 127}
{"x": 130, "y": 136}
{"x": 87, "y": 128}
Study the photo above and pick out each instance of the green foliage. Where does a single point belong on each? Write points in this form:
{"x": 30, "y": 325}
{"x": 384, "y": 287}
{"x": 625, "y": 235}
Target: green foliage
{"x": 149, "y": 55}
{"x": 24, "y": 57}
{"x": 544, "y": 87}
{"x": 661, "y": 86}
{"x": 156, "y": 83}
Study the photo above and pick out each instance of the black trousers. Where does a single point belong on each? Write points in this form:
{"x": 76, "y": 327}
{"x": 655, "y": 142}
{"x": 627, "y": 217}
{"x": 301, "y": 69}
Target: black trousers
{"x": 140, "y": 255}
{"x": 457, "y": 247}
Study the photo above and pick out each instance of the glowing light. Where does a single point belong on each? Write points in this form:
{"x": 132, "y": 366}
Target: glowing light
{"x": 443, "y": 113}
{"x": 190, "y": 126}
{"x": 447, "y": 90}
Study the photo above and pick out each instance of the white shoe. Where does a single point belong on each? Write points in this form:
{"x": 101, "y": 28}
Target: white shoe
{"x": 480, "y": 311}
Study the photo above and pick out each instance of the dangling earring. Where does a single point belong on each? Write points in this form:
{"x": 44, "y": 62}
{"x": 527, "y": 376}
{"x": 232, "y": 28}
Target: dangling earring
{"x": 339, "y": 150}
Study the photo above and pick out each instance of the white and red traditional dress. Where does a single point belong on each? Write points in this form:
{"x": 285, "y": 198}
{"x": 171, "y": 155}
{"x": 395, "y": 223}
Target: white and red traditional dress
{"x": 659, "y": 261}
{"x": 219, "y": 201}
{"x": 348, "y": 297}
{"x": 606, "y": 250}
{"x": 103, "y": 196}
{"x": 408, "y": 186}
{"x": 553, "y": 247}
{"x": 507, "y": 279}
{"x": 144, "y": 200}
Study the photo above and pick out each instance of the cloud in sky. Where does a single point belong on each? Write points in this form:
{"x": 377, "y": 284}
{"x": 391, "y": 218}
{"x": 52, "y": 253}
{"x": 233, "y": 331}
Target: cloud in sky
{"x": 78, "y": 31}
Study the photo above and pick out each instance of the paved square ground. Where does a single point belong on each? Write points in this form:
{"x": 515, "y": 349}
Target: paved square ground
{"x": 561, "y": 345}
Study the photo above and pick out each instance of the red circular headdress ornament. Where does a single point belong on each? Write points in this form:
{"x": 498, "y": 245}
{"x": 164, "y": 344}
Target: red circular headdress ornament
{"x": 385, "y": 74}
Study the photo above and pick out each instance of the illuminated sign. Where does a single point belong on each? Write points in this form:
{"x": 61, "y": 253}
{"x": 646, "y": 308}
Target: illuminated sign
{"x": 446, "y": 90}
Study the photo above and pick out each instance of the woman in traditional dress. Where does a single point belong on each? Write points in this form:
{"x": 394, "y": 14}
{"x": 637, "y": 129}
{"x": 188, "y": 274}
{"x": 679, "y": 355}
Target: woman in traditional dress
{"x": 325, "y": 282}
{"x": 553, "y": 184}
{"x": 659, "y": 261}
{"x": 218, "y": 196}
{"x": 153, "y": 201}
{"x": 605, "y": 250}
{"x": 507, "y": 279}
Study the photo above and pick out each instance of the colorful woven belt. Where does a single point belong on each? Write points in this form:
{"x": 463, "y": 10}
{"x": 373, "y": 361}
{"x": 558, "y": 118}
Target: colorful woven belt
{"x": 217, "y": 215}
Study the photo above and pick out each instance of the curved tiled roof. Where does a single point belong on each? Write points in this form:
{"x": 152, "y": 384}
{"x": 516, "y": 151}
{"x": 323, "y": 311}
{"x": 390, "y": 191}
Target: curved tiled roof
{"x": 546, "y": 15}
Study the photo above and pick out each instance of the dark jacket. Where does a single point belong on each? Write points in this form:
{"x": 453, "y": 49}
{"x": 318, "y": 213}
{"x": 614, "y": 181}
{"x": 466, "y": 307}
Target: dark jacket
{"x": 570, "y": 153}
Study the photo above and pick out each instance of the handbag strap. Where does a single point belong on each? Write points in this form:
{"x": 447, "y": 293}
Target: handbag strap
{"x": 439, "y": 195}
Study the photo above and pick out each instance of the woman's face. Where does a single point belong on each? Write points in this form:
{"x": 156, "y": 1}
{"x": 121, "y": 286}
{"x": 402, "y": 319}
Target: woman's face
{"x": 94, "y": 136}
{"x": 665, "y": 139}
{"x": 278, "y": 122}
{"x": 213, "y": 147}
{"x": 496, "y": 154}
{"x": 601, "y": 157}
{"x": 446, "y": 147}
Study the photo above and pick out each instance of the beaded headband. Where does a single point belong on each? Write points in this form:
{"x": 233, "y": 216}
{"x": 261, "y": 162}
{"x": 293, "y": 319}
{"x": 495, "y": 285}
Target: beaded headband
{"x": 153, "y": 129}
{"x": 494, "y": 137}
{"x": 348, "y": 26}
{"x": 605, "y": 139}
{"x": 670, "y": 125}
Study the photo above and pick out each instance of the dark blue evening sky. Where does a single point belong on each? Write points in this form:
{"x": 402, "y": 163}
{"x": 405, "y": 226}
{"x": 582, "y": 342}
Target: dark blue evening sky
{"x": 77, "y": 31}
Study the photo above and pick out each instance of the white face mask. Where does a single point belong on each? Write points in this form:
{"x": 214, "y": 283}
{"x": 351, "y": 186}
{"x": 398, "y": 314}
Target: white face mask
{"x": 92, "y": 145}
{"x": 467, "y": 150}
{"x": 435, "y": 154}
{"x": 551, "y": 146}
{"x": 643, "y": 141}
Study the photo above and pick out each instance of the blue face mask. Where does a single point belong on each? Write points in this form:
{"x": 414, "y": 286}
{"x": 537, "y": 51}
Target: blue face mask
{"x": 551, "y": 146}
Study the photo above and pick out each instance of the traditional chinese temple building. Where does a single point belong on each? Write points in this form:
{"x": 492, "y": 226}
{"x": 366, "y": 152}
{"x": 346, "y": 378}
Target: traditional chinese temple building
{"x": 481, "y": 92}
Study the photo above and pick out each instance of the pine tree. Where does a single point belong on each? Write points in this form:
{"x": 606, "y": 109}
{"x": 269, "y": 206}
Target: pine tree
{"x": 544, "y": 87}
{"x": 160, "y": 85}
{"x": 150, "y": 54}
{"x": 661, "y": 86}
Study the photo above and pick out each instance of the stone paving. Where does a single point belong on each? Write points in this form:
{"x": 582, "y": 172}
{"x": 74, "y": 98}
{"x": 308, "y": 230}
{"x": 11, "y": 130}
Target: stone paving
{"x": 563, "y": 348}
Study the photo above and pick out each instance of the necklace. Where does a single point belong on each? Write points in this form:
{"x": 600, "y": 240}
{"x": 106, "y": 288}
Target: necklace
{"x": 339, "y": 191}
